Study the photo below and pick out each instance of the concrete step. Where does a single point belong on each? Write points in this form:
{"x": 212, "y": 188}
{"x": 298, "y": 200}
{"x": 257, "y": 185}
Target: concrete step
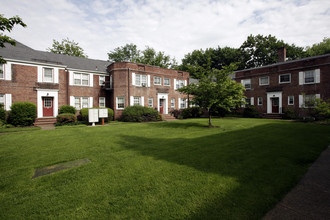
{"x": 45, "y": 121}
{"x": 168, "y": 117}
{"x": 272, "y": 116}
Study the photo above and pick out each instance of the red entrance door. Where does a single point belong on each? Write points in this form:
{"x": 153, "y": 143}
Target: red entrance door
{"x": 161, "y": 106}
{"x": 275, "y": 105}
{"x": 47, "y": 106}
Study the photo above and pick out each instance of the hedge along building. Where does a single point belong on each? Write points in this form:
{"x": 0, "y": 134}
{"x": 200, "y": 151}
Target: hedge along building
{"x": 273, "y": 89}
{"x": 51, "y": 80}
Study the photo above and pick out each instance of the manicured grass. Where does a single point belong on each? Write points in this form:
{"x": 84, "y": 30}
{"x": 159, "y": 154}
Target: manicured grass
{"x": 165, "y": 170}
{"x": 16, "y": 129}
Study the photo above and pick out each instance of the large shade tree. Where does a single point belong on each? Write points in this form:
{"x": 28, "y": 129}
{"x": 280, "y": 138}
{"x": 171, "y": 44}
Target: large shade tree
{"x": 7, "y": 24}
{"x": 216, "y": 89}
{"x": 319, "y": 48}
{"x": 68, "y": 47}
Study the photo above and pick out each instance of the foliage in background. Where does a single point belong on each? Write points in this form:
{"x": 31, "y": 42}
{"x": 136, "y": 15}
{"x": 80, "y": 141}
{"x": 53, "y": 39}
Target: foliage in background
{"x": 139, "y": 113}
{"x": 84, "y": 114}
{"x": 68, "y": 47}
{"x": 251, "y": 112}
{"x": 67, "y": 109}
{"x": 22, "y": 114}
{"x": 192, "y": 112}
{"x": 66, "y": 118}
{"x": 215, "y": 89}
{"x": 319, "y": 48}
{"x": 2, "y": 113}
{"x": 322, "y": 109}
{"x": 7, "y": 24}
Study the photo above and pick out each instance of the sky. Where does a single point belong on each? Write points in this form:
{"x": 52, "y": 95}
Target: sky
{"x": 176, "y": 27}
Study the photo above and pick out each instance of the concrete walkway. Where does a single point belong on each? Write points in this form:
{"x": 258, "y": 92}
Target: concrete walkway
{"x": 310, "y": 199}
{"x": 47, "y": 127}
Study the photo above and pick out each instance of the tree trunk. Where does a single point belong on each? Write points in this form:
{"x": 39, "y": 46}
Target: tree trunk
{"x": 210, "y": 124}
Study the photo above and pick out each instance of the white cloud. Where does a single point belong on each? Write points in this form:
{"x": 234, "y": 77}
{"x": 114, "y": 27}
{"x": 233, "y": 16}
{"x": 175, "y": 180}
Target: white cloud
{"x": 174, "y": 26}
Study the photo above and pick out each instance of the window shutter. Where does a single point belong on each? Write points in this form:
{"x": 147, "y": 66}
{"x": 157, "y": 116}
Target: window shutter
{"x": 252, "y": 100}
{"x": 242, "y": 82}
{"x": 301, "y": 101}
{"x": 243, "y": 100}
{"x": 70, "y": 78}
{"x": 90, "y": 103}
{"x": 72, "y": 101}
{"x": 131, "y": 100}
{"x": 301, "y": 78}
{"x": 7, "y": 101}
{"x": 317, "y": 76}
{"x": 148, "y": 81}
{"x": 7, "y": 73}
{"x": 175, "y": 84}
{"x": 318, "y": 96}
{"x": 91, "y": 77}
{"x": 142, "y": 100}
{"x": 179, "y": 103}
{"x": 56, "y": 75}
{"x": 185, "y": 83}
{"x": 133, "y": 79}
{"x": 39, "y": 74}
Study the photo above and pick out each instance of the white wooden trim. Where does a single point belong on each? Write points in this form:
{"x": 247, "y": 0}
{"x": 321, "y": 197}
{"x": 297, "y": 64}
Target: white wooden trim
{"x": 91, "y": 79}
{"x": 142, "y": 100}
{"x": 185, "y": 83}
{"x": 252, "y": 100}
{"x": 174, "y": 84}
{"x": 70, "y": 78}
{"x": 301, "y": 78}
{"x": 7, "y": 71}
{"x": 318, "y": 96}
{"x": 90, "y": 102}
{"x": 72, "y": 101}
{"x": 317, "y": 76}
{"x": 133, "y": 79}
{"x": 56, "y": 75}
{"x": 40, "y": 72}
{"x": 148, "y": 80}
{"x": 47, "y": 93}
{"x": 301, "y": 101}
{"x": 8, "y": 100}
{"x": 131, "y": 101}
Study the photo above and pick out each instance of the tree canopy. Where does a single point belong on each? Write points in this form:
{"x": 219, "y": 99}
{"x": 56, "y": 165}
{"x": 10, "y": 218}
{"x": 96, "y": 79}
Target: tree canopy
{"x": 216, "y": 89}
{"x": 319, "y": 48}
{"x": 68, "y": 47}
{"x": 130, "y": 53}
{"x": 7, "y": 24}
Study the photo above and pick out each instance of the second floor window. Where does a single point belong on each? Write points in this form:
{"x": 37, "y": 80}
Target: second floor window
{"x": 81, "y": 79}
{"x": 140, "y": 80}
{"x": 246, "y": 83}
{"x": 101, "y": 80}
{"x": 264, "y": 80}
{"x": 157, "y": 80}
{"x": 285, "y": 78}
{"x": 179, "y": 84}
{"x": 309, "y": 76}
{"x": 2, "y": 75}
{"x": 48, "y": 75}
{"x": 167, "y": 82}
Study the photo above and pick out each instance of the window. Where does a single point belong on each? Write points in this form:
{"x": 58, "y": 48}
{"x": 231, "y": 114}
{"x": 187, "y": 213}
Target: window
{"x": 172, "y": 102}
{"x": 120, "y": 102}
{"x": 101, "y": 80}
{"x": 167, "y": 81}
{"x": 102, "y": 102}
{"x": 150, "y": 102}
{"x": 2, "y": 99}
{"x": 157, "y": 80}
{"x": 285, "y": 78}
{"x": 81, "y": 79}
{"x": 80, "y": 102}
{"x": 179, "y": 83}
{"x": 248, "y": 101}
{"x": 309, "y": 100}
{"x": 140, "y": 80}
{"x": 2, "y": 75}
{"x": 183, "y": 103}
{"x": 309, "y": 77}
{"x": 263, "y": 81}
{"x": 48, "y": 102}
{"x": 137, "y": 100}
{"x": 48, "y": 75}
{"x": 246, "y": 83}
{"x": 291, "y": 100}
{"x": 259, "y": 100}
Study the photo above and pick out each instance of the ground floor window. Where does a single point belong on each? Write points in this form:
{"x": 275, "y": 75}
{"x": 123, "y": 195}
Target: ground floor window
{"x": 137, "y": 100}
{"x": 80, "y": 102}
{"x": 172, "y": 102}
{"x": 150, "y": 102}
{"x": 183, "y": 103}
{"x": 259, "y": 100}
{"x": 248, "y": 101}
{"x": 290, "y": 100}
{"x": 102, "y": 102}
{"x": 2, "y": 100}
{"x": 120, "y": 102}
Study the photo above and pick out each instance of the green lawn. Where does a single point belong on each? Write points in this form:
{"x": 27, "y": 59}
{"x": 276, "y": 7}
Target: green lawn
{"x": 164, "y": 170}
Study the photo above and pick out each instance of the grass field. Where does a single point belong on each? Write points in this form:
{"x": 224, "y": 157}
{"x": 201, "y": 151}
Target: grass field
{"x": 165, "y": 170}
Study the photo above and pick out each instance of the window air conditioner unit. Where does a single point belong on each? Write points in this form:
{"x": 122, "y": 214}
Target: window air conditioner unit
{"x": 144, "y": 85}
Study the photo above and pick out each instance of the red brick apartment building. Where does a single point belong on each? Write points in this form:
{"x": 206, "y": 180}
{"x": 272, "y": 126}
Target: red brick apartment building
{"x": 287, "y": 84}
{"x": 51, "y": 80}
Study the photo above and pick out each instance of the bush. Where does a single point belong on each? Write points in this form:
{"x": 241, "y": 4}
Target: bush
{"x": 66, "y": 118}
{"x": 140, "y": 114}
{"x": 290, "y": 113}
{"x": 322, "y": 109}
{"x": 84, "y": 114}
{"x": 2, "y": 113}
{"x": 176, "y": 113}
{"x": 251, "y": 112}
{"x": 23, "y": 114}
{"x": 192, "y": 112}
{"x": 67, "y": 109}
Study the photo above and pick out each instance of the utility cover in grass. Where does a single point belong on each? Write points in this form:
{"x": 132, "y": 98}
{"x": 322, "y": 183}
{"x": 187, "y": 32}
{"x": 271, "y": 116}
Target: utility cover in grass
{"x": 58, "y": 167}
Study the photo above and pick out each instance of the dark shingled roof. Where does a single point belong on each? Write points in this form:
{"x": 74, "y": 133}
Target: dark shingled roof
{"x": 25, "y": 53}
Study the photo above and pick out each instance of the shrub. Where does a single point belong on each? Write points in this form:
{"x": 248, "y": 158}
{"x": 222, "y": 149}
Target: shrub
{"x": 66, "y": 118}
{"x": 84, "y": 114}
{"x": 176, "y": 113}
{"x": 67, "y": 109}
{"x": 322, "y": 109}
{"x": 192, "y": 112}
{"x": 2, "y": 113}
{"x": 23, "y": 114}
{"x": 251, "y": 112}
{"x": 140, "y": 114}
{"x": 290, "y": 113}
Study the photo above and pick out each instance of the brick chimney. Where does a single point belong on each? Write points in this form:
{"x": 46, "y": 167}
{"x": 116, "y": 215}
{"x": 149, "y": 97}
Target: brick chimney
{"x": 281, "y": 54}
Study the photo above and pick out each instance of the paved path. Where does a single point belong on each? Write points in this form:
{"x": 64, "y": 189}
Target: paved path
{"x": 310, "y": 199}
{"x": 47, "y": 127}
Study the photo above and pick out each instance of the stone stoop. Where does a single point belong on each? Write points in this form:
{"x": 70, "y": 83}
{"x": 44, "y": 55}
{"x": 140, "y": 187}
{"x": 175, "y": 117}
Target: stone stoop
{"x": 45, "y": 121}
{"x": 168, "y": 117}
{"x": 272, "y": 116}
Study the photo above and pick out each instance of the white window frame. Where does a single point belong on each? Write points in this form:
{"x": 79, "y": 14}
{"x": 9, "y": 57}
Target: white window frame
{"x": 44, "y": 77}
{"x": 120, "y": 103}
{"x": 169, "y": 81}
{"x": 183, "y": 103}
{"x": 279, "y": 78}
{"x": 102, "y": 102}
{"x": 3, "y": 100}
{"x": 179, "y": 84}
{"x": 172, "y": 102}
{"x": 289, "y": 103}
{"x": 79, "y": 76}
{"x": 260, "y": 81}
{"x": 2, "y": 71}
{"x": 141, "y": 80}
{"x": 260, "y": 101}
{"x": 81, "y": 102}
{"x": 157, "y": 80}
{"x": 137, "y": 100}
{"x": 150, "y": 102}
{"x": 314, "y": 77}
{"x": 244, "y": 83}
{"x": 101, "y": 80}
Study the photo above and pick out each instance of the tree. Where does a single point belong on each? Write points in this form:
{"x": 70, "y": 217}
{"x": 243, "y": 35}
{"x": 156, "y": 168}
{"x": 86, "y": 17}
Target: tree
{"x": 261, "y": 50}
{"x": 127, "y": 53}
{"x": 67, "y": 47}
{"x": 7, "y": 24}
{"x": 216, "y": 90}
{"x": 319, "y": 49}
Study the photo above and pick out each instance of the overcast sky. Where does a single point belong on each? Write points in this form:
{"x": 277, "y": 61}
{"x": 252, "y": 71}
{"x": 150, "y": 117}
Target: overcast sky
{"x": 176, "y": 27}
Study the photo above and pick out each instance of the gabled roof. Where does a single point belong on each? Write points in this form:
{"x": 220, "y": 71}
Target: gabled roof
{"x": 25, "y": 53}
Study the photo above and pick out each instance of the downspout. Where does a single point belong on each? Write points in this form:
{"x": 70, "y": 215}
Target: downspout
{"x": 128, "y": 88}
{"x": 67, "y": 86}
